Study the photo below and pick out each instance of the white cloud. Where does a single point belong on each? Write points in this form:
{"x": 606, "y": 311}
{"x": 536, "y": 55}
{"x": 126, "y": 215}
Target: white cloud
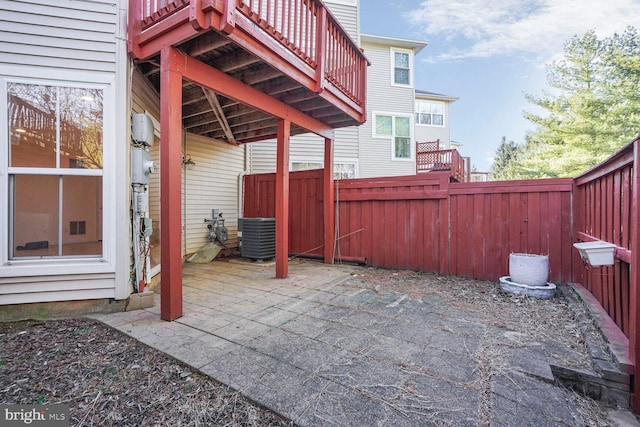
{"x": 486, "y": 28}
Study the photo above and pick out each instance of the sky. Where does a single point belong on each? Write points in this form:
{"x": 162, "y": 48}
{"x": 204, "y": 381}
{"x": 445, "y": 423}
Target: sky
{"x": 490, "y": 53}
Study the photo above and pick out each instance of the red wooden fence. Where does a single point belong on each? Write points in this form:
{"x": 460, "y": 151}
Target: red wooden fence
{"x": 603, "y": 211}
{"x": 425, "y": 223}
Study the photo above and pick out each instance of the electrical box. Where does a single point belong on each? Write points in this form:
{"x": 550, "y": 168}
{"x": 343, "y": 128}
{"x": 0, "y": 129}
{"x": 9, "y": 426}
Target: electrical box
{"x": 141, "y": 166}
{"x": 142, "y": 129}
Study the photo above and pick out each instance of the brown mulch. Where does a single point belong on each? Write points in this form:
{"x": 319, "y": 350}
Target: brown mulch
{"x": 109, "y": 379}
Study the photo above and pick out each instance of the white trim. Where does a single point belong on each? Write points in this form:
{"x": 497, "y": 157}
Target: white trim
{"x": 68, "y": 264}
{"x": 409, "y": 52}
{"x": 428, "y": 101}
{"x": 391, "y": 138}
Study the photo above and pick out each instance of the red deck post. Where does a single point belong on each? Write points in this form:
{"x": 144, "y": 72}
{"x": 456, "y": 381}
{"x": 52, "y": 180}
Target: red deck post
{"x": 282, "y": 199}
{"x": 329, "y": 199}
{"x": 634, "y": 285}
{"x": 170, "y": 187}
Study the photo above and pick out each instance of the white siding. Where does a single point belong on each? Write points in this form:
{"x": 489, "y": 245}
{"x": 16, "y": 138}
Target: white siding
{"x": 60, "y": 34}
{"x": 375, "y": 153}
{"x": 211, "y": 183}
{"x": 347, "y": 15}
{"x": 72, "y": 42}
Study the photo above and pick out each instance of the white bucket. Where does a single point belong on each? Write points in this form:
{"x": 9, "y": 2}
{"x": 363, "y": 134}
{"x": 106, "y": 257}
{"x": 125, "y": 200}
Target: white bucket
{"x": 529, "y": 269}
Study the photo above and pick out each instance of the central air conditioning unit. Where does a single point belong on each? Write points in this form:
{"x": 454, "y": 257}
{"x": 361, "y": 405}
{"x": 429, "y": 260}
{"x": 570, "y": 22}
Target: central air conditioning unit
{"x": 258, "y": 238}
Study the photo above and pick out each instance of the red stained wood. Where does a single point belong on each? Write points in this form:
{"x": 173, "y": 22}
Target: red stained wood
{"x": 328, "y": 192}
{"x": 282, "y": 200}
{"x": 170, "y": 188}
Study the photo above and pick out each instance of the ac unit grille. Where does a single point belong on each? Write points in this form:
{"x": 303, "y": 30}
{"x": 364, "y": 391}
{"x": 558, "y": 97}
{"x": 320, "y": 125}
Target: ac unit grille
{"x": 258, "y": 238}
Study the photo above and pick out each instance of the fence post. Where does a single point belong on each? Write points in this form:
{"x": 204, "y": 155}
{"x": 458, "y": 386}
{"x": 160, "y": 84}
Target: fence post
{"x": 634, "y": 291}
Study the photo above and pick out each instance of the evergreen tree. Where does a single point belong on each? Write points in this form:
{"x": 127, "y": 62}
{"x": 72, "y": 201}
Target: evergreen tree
{"x": 504, "y": 163}
{"x": 592, "y": 110}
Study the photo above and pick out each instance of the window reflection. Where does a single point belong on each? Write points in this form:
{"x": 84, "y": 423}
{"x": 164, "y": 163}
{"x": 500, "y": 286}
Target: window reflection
{"x": 52, "y": 129}
{"x": 49, "y": 124}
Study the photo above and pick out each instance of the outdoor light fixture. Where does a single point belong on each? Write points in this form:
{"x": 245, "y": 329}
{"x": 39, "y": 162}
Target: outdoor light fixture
{"x": 20, "y": 130}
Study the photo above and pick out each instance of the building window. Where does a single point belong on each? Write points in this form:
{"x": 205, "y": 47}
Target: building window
{"x": 398, "y": 129}
{"x": 303, "y": 166}
{"x": 344, "y": 170}
{"x": 341, "y": 170}
{"x": 55, "y": 170}
{"x": 401, "y": 67}
{"x": 430, "y": 113}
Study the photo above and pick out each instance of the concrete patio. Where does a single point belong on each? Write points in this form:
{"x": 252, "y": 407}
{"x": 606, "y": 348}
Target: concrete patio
{"x": 320, "y": 351}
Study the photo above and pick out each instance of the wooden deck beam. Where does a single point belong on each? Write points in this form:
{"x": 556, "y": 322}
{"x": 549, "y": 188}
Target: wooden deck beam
{"x": 329, "y": 203}
{"x": 204, "y": 75}
{"x": 170, "y": 186}
{"x": 282, "y": 200}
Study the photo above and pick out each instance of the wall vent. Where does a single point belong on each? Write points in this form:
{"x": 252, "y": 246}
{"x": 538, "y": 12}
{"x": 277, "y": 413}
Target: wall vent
{"x": 258, "y": 238}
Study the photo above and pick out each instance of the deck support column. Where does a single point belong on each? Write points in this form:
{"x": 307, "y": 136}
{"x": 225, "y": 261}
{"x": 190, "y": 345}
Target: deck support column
{"x": 634, "y": 280}
{"x": 170, "y": 186}
{"x": 329, "y": 203}
{"x": 282, "y": 199}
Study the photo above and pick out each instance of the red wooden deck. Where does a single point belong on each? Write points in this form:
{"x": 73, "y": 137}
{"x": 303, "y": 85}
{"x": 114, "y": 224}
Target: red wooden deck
{"x": 292, "y": 50}
{"x": 243, "y": 71}
{"x": 430, "y": 158}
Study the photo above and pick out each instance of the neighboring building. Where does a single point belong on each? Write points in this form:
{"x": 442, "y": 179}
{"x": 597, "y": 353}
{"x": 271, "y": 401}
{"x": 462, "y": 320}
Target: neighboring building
{"x": 398, "y": 116}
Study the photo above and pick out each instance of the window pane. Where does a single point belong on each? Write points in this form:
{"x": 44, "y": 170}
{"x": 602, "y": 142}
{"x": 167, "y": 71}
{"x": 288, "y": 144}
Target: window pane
{"x": 36, "y": 215}
{"x": 32, "y": 125}
{"x": 403, "y": 126}
{"x": 82, "y": 214}
{"x": 425, "y": 119}
{"x": 401, "y": 60}
{"x": 383, "y": 125}
{"x": 45, "y": 118}
{"x": 438, "y": 120}
{"x": 80, "y": 128}
{"x": 344, "y": 171}
{"x": 437, "y": 108}
{"x": 401, "y": 76}
{"x": 303, "y": 166}
{"x": 403, "y": 148}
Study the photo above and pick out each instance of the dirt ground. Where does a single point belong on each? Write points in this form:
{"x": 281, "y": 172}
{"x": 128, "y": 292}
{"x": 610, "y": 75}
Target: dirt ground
{"x": 107, "y": 378}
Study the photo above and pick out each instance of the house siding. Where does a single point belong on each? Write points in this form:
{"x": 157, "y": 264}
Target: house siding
{"x": 59, "y": 34}
{"x": 376, "y": 153}
{"x": 210, "y": 183}
{"x": 71, "y": 42}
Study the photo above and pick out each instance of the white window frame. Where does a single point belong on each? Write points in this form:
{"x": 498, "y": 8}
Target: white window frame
{"x": 409, "y": 52}
{"x": 444, "y": 116}
{"x": 68, "y": 264}
{"x": 392, "y": 138}
{"x": 353, "y": 162}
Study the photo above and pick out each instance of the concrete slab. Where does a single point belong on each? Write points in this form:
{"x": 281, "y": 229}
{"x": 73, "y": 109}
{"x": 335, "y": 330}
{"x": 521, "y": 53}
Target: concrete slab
{"x": 321, "y": 349}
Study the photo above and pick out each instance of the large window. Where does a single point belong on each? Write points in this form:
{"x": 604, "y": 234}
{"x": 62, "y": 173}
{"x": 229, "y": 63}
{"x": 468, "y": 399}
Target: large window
{"x": 401, "y": 67}
{"x": 55, "y": 169}
{"x": 398, "y": 129}
{"x": 430, "y": 113}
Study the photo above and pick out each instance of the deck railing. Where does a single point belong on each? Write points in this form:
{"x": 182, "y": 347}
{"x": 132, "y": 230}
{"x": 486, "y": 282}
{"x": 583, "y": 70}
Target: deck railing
{"x": 305, "y": 28}
{"x": 441, "y": 160}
